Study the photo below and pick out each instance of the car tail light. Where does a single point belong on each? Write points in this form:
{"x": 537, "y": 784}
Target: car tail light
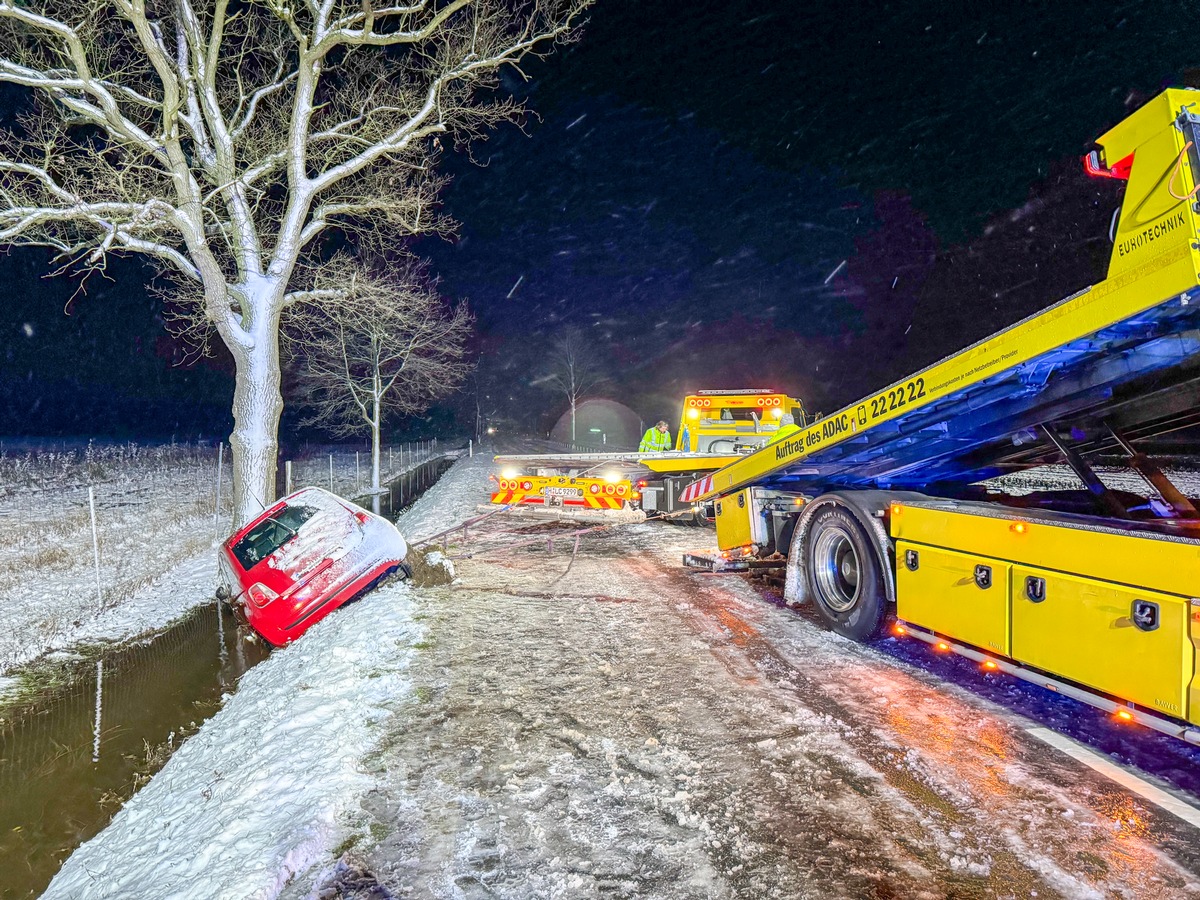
{"x": 610, "y": 489}
{"x": 620, "y": 490}
{"x": 260, "y": 595}
{"x": 362, "y": 517}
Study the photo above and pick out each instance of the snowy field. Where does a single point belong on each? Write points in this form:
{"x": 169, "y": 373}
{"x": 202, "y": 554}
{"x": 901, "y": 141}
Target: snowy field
{"x": 608, "y": 724}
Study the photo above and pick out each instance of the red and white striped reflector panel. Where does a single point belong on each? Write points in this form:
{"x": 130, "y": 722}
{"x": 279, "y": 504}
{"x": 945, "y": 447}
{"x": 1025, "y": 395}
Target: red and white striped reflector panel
{"x": 696, "y": 489}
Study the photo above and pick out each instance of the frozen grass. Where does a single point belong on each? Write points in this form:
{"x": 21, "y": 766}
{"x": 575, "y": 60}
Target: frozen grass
{"x": 154, "y": 509}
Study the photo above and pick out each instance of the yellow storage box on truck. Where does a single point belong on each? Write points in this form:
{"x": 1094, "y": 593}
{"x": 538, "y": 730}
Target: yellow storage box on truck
{"x": 1091, "y": 591}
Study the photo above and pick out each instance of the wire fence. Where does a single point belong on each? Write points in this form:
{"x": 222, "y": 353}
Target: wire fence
{"x": 348, "y": 472}
{"x": 83, "y": 526}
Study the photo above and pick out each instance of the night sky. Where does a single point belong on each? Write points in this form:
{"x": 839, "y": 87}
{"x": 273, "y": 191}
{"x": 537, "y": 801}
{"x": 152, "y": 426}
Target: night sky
{"x": 813, "y": 198}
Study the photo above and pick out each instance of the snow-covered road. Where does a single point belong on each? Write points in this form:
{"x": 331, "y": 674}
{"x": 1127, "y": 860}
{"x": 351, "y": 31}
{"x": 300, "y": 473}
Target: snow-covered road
{"x": 633, "y": 729}
{"x": 614, "y": 726}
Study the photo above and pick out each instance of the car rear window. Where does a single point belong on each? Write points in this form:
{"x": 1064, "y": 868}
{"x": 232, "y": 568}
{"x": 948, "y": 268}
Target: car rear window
{"x": 270, "y": 534}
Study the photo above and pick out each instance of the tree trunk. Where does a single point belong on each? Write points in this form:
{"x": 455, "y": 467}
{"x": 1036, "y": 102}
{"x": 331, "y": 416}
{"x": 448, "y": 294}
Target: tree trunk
{"x": 572, "y": 420}
{"x": 375, "y": 415}
{"x": 257, "y": 406}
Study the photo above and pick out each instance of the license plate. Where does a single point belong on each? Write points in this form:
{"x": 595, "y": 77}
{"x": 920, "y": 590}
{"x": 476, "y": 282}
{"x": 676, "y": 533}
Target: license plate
{"x": 562, "y": 492}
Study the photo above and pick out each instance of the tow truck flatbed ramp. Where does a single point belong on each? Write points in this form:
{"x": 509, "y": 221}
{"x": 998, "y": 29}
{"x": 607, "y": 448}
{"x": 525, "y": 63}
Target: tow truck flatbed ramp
{"x": 879, "y": 512}
{"x": 1126, "y": 351}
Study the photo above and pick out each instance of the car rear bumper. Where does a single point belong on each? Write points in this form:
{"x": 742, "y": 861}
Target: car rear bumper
{"x": 281, "y": 623}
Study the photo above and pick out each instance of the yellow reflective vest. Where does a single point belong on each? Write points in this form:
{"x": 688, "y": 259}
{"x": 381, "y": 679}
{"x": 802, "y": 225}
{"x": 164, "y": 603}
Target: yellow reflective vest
{"x": 782, "y": 432}
{"x": 654, "y": 441}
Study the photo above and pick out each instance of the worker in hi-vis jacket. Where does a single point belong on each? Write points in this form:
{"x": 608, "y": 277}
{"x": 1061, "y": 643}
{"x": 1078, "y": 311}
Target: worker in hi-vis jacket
{"x": 656, "y": 439}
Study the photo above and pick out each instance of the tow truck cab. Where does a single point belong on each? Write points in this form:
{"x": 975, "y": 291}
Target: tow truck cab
{"x": 733, "y": 421}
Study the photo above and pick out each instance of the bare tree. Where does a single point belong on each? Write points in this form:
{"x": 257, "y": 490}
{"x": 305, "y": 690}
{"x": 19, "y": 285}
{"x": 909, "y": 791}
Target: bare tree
{"x": 221, "y": 140}
{"x": 575, "y": 369}
{"x": 390, "y": 347}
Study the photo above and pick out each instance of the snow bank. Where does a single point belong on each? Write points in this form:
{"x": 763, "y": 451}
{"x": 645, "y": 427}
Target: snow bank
{"x": 270, "y": 784}
{"x": 452, "y": 500}
{"x": 165, "y": 599}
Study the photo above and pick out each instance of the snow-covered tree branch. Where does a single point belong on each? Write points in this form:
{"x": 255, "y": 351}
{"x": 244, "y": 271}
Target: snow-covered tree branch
{"x": 222, "y": 140}
{"x": 388, "y": 346}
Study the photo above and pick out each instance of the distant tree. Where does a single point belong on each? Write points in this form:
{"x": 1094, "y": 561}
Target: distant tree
{"x": 221, "y": 140}
{"x": 575, "y": 369}
{"x": 390, "y": 346}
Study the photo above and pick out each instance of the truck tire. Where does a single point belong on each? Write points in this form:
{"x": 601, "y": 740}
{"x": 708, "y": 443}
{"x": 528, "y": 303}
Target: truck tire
{"x": 845, "y": 574}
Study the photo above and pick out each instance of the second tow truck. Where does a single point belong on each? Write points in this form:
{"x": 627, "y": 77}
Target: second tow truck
{"x": 715, "y": 429}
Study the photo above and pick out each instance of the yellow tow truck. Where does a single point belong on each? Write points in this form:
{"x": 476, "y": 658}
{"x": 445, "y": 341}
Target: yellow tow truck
{"x": 889, "y": 518}
{"x": 715, "y": 429}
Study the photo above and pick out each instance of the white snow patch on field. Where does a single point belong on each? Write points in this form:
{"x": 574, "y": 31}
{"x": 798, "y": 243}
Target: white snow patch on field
{"x": 1061, "y": 477}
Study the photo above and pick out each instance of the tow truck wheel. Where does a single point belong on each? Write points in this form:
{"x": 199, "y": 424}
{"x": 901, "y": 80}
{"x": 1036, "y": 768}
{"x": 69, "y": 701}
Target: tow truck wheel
{"x": 845, "y": 575}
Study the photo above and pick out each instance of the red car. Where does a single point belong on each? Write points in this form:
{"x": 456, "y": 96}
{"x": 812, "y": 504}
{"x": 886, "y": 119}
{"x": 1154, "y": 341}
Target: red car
{"x": 303, "y": 558}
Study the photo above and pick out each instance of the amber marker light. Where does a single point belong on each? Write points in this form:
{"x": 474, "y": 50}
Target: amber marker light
{"x": 1019, "y": 527}
{"x": 1124, "y": 715}
{"x": 943, "y": 646}
{"x": 989, "y": 665}
{"x": 896, "y": 507}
